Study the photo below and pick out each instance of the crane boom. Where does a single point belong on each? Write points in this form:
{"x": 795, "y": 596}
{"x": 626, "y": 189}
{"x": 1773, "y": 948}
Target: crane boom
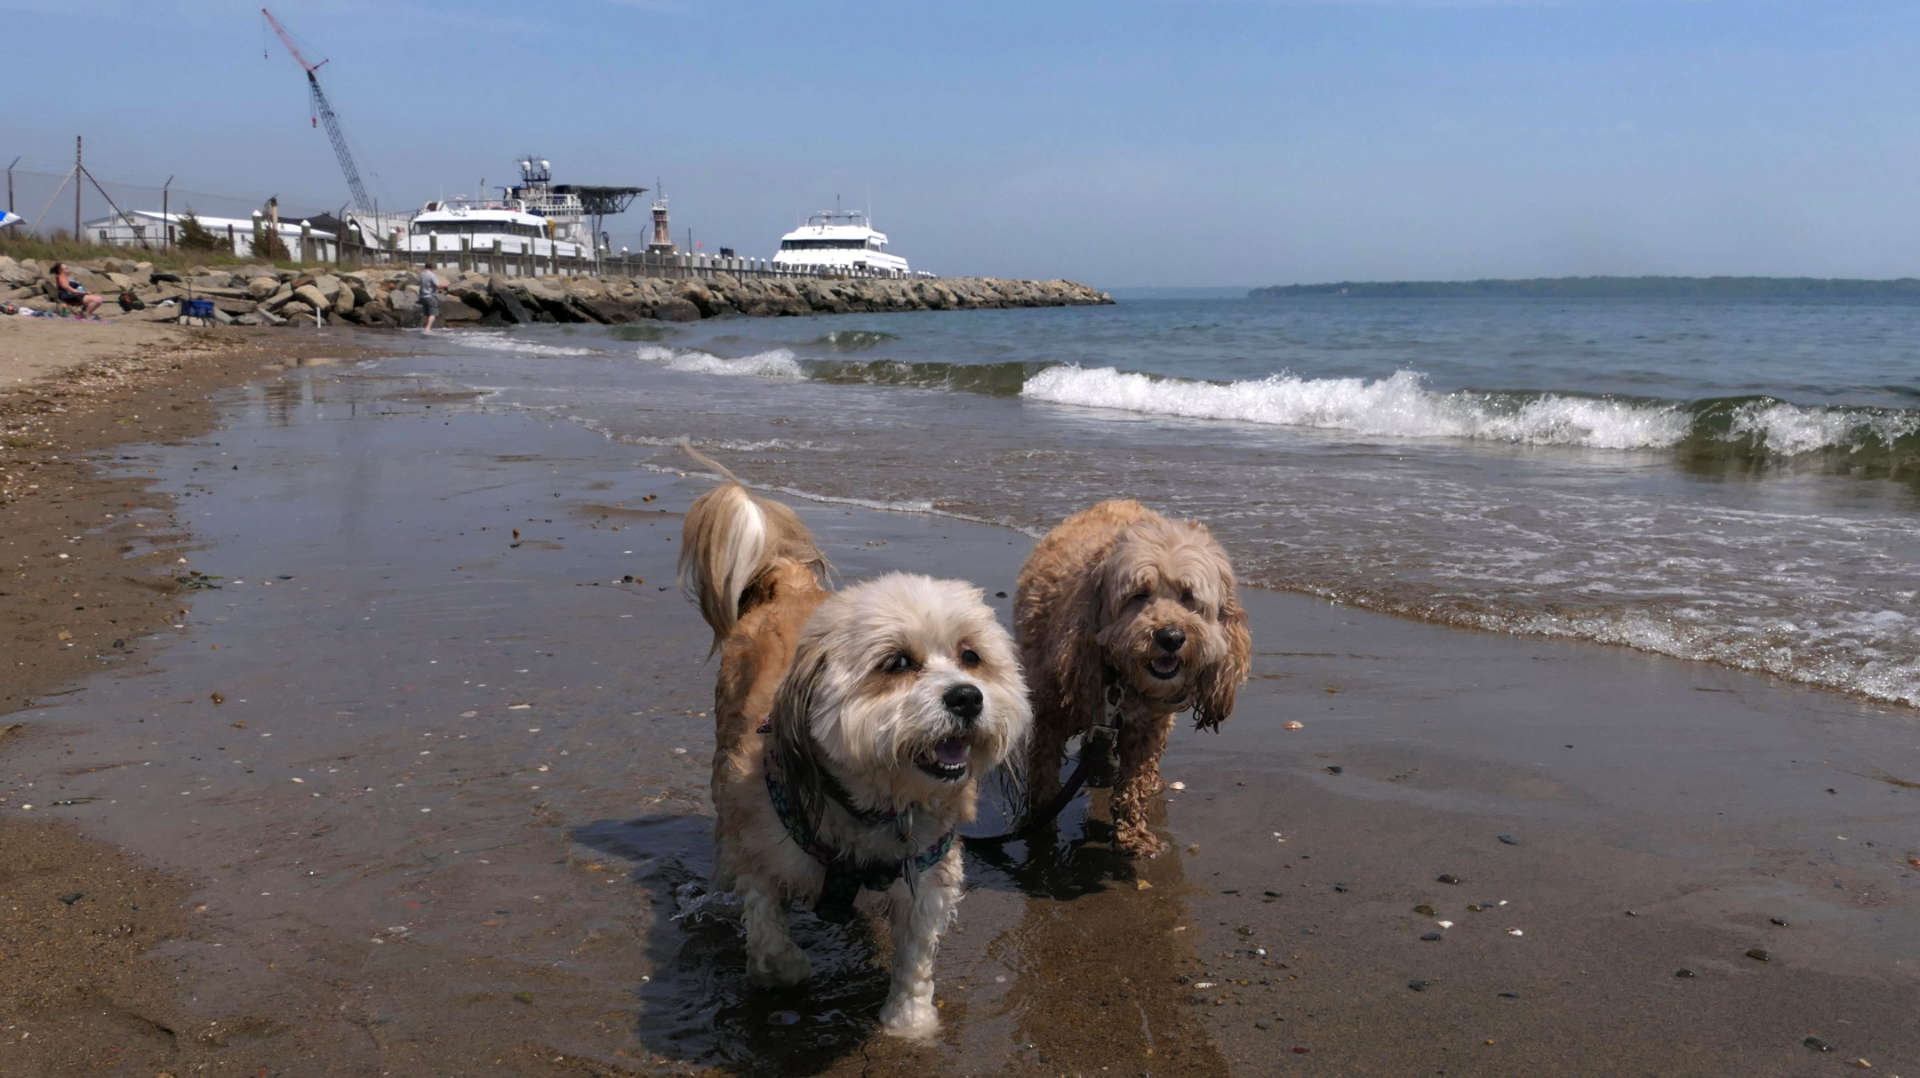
{"x": 325, "y": 110}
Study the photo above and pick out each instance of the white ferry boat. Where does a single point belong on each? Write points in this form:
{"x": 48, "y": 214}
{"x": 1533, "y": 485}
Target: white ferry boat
{"x": 840, "y": 241}
{"x": 443, "y": 226}
{"x": 534, "y": 212}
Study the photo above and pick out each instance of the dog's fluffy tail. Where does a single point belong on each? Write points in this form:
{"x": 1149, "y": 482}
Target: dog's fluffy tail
{"x": 729, "y": 541}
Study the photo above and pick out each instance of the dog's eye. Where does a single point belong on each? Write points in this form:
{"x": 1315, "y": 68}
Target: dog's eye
{"x": 898, "y": 663}
{"x": 969, "y": 657}
{"x": 1186, "y": 597}
{"x": 1140, "y": 597}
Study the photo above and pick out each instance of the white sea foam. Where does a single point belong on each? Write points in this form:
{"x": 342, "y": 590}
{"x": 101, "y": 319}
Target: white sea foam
{"x": 775, "y": 363}
{"x": 507, "y": 342}
{"x": 1399, "y": 406}
{"x": 1787, "y": 429}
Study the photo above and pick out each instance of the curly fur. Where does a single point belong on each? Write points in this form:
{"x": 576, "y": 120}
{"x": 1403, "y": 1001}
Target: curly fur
{"x": 904, "y": 689}
{"x": 1102, "y": 597}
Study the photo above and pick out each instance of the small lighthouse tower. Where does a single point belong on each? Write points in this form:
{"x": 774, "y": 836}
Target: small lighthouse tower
{"x": 662, "y": 231}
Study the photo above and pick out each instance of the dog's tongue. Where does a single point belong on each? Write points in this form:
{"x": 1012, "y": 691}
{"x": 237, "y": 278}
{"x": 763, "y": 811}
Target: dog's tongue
{"x": 951, "y": 752}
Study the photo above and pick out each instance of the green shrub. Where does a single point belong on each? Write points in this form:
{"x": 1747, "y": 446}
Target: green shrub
{"x": 195, "y": 236}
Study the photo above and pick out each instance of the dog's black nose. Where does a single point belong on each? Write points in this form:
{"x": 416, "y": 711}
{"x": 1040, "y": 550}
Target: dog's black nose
{"x": 964, "y": 701}
{"x": 1169, "y": 639}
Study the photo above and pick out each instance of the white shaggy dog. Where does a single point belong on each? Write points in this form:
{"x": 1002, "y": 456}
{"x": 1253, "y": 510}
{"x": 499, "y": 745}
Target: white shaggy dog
{"x": 852, "y": 730}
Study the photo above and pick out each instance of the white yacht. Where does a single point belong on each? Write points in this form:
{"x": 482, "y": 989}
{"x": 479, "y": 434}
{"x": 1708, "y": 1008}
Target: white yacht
{"x": 840, "y": 241}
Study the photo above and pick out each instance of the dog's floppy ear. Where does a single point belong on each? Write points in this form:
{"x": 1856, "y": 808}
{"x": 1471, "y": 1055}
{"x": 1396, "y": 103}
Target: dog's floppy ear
{"x": 1220, "y": 682}
{"x": 792, "y": 724}
{"x": 1074, "y": 665}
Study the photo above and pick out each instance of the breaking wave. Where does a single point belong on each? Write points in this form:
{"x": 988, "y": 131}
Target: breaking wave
{"x": 1726, "y": 434}
{"x": 991, "y": 379}
{"x": 507, "y": 342}
{"x": 775, "y": 363}
{"x": 1716, "y": 432}
{"x": 854, "y": 340}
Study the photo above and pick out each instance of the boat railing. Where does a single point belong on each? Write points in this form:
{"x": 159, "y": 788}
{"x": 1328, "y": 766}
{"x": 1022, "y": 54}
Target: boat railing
{"x": 539, "y": 257}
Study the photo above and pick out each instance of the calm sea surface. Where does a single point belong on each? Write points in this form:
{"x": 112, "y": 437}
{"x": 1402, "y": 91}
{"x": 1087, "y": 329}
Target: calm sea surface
{"x": 1728, "y": 482}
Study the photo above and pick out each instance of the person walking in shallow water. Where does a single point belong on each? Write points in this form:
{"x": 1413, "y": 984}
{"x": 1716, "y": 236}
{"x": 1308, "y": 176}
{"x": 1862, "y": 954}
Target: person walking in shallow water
{"x": 429, "y": 297}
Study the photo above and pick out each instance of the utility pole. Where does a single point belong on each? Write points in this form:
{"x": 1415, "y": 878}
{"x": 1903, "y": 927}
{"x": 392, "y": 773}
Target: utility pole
{"x": 166, "y": 221}
{"x": 78, "y": 171}
{"x": 10, "y": 165}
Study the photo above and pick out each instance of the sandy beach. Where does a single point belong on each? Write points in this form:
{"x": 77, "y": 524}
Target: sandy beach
{"x": 380, "y": 747}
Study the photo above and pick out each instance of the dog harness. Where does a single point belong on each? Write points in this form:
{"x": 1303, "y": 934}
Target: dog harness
{"x": 846, "y": 875}
{"x": 1099, "y": 747}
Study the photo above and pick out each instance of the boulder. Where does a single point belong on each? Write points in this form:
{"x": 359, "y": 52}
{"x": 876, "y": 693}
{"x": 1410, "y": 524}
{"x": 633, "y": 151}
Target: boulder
{"x": 506, "y": 303}
{"x": 676, "y": 309}
{"x": 312, "y": 297}
{"x": 343, "y": 301}
{"x": 263, "y": 287}
{"x": 549, "y": 297}
{"x": 606, "y": 310}
{"x": 763, "y": 307}
{"x": 704, "y": 300}
{"x": 14, "y": 273}
{"x": 452, "y": 310}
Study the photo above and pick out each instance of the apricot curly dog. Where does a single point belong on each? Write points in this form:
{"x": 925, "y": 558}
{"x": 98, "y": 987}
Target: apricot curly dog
{"x": 1124, "y": 615}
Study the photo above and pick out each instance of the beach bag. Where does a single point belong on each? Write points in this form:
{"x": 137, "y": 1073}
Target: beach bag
{"x": 131, "y": 302}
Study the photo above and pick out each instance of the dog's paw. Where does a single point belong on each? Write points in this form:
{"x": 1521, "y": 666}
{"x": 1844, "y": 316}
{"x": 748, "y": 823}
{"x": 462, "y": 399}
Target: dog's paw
{"x": 781, "y": 969}
{"x": 907, "y": 1016}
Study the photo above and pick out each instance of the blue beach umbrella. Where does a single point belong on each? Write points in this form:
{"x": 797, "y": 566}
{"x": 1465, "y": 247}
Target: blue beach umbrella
{"x": 9, "y": 218}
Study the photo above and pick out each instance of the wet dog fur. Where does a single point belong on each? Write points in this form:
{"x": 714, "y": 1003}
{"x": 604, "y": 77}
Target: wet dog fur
{"x": 905, "y": 689}
{"x": 1120, "y": 600}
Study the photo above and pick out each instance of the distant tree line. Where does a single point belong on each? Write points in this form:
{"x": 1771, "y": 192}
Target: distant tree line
{"x": 1840, "y": 288}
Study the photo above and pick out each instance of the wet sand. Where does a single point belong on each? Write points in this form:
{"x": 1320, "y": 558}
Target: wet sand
{"x": 414, "y": 782}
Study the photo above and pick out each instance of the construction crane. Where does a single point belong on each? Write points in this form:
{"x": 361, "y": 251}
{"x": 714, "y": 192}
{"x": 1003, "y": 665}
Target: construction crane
{"x": 325, "y": 112}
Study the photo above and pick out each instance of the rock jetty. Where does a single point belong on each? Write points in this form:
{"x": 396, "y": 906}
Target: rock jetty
{"x": 378, "y": 296}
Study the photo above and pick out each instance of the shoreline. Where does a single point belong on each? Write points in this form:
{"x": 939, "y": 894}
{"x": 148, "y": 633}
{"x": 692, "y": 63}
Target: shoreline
{"x": 1441, "y": 740}
{"x": 82, "y": 918}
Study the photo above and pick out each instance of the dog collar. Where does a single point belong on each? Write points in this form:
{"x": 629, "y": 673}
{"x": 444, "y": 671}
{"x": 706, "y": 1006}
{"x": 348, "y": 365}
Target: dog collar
{"x": 846, "y": 875}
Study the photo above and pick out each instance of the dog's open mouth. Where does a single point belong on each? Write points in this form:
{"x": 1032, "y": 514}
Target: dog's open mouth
{"x": 947, "y": 760}
{"x": 1164, "y": 667}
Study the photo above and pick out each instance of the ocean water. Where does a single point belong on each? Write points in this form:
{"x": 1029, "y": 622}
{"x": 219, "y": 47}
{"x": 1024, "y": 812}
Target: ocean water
{"x": 1728, "y": 482}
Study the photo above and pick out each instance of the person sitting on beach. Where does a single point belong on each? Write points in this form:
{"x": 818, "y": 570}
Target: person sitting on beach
{"x": 73, "y": 295}
{"x": 429, "y": 297}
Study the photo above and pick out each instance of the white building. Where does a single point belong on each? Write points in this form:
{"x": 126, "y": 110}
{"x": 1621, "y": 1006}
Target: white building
{"x": 158, "y": 230}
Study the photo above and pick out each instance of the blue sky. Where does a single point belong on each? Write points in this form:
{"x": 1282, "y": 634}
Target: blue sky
{"x": 1122, "y": 144}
